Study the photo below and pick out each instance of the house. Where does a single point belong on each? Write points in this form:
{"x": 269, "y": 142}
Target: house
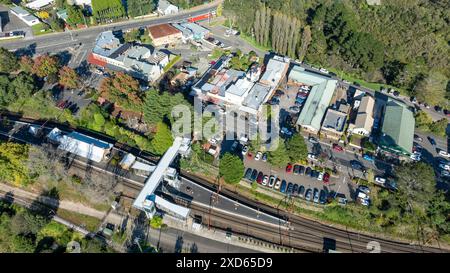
{"x": 138, "y": 61}
{"x": 276, "y": 70}
{"x": 81, "y": 145}
{"x": 363, "y": 122}
{"x": 39, "y": 4}
{"x": 165, "y": 8}
{"x": 192, "y": 31}
{"x": 397, "y": 132}
{"x": 25, "y": 16}
{"x": 315, "y": 107}
{"x": 164, "y": 34}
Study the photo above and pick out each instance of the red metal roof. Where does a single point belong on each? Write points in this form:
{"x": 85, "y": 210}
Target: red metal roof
{"x": 92, "y": 60}
{"x": 159, "y": 31}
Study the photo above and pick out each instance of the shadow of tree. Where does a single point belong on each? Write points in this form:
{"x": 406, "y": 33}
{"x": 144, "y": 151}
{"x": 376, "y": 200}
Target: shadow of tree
{"x": 179, "y": 244}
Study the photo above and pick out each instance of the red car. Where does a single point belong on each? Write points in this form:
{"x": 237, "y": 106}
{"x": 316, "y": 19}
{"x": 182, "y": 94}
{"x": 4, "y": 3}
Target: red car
{"x": 249, "y": 155}
{"x": 259, "y": 178}
{"x": 337, "y": 148}
{"x": 326, "y": 178}
{"x": 289, "y": 168}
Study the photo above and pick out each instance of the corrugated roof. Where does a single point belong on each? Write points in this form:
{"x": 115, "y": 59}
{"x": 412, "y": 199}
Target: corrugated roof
{"x": 398, "y": 127}
{"x": 162, "y": 30}
{"x": 334, "y": 120}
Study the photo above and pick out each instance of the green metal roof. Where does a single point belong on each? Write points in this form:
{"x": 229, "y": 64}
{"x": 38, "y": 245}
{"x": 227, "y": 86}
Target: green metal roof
{"x": 319, "y": 98}
{"x": 398, "y": 127}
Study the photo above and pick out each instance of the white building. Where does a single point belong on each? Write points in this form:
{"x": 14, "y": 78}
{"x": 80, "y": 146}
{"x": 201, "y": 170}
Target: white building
{"x": 25, "y": 16}
{"x": 364, "y": 119}
{"x": 165, "y": 7}
{"x": 39, "y": 4}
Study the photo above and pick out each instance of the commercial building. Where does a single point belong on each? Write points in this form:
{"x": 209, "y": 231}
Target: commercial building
{"x": 25, "y": 16}
{"x": 81, "y": 145}
{"x": 165, "y": 8}
{"x": 192, "y": 31}
{"x": 164, "y": 34}
{"x": 334, "y": 124}
{"x": 316, "y": 104}
{"x": 397, "y": 132}
{"x": 138, "y": 61}
{"x": 363, "y": 122}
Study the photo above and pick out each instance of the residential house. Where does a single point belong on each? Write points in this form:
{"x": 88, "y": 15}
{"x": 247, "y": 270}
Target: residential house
{"x": 165, "y": 8}
{"x": 397, "y": 132}
{"x": 25, "y": 16}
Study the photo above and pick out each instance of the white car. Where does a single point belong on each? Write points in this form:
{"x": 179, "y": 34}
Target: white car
{"x": 444, "y": 153}
{"x": 271, "y": 181}
{"x": 312, "y": 156}
{"x": 313, "y": 140}
{"x": 380, "y": 180}
{"x": 415, "y": 157}
{"x": 277, "y": 184}
{"x": 445, "y": 173}
{"x": 258, "y": 156}
{"x": 265, "y": 180}
{"x": 245, "y": 150}
{"x": 320, "y": 177}
{"x": 444, "y": 166}
{"x": 323, "y": 70}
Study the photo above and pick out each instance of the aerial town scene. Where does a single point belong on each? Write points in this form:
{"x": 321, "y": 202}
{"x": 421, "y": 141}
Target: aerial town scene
{"x": 224, "y": 126}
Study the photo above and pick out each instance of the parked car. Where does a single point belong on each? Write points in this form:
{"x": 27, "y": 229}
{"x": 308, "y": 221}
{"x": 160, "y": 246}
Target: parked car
{"x": 445, "y": 173}
{"x": 295, "y": 189}
{"x": 264, "y": 157}
{"x": 294, "y": 109}
{"x": 244, "y": 150}
{"x": 254, "y": 175}
{"x": 234, "y": 145}
{"x": 342, "y": 200}
{"x": 444, "y": 166}
{"x": 380, "y": 180}
{"x": 315, "y": 174}
{"x": 322, "y": 197}
{"x": 364, "y": 189}
{"x": 289, "y": 168}
{"x": 326, "y": 178}
{"x": 316, "y": 195}
{"x": 289, "y": 188}
{"x": 271, "y": 181}
{"x": 313, "y": 140}
{"x": 416, "y": 157}
{"x": 299, "y": 103}
{"x": 357, "y": 165}
{"x": 443, "y": 153}
{"x": 259, "y": 179}
{"x": 258, "y": 156}
{"x": 296, "y": 169}
{"x": 301, "y": 191}
{"x": 277, "y": 184}
{"x": 369, "y": 157}
{"x": 248, "y": 174}
{"x": 320, "y": 176}
{"x": 279, "y": 92}
{"x": 396, "y": 93}
{"x": 283, "y": 186}
{"x": 418, "y": 138}
{"x": 274, "y": 101}
{"x": 312, "y": 156}
{"x": 308, "y": 171}
{"x": 265, "y": 180}
{"x": 308, "y": 194}
{"x": 431, "y": 140}
{"x": 337, "y": 148}
{"x": 302, "y": 170}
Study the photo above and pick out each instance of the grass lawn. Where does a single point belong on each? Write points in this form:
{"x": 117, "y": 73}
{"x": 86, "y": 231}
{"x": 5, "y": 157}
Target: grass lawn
{"x": 40, "y": 29}
{"x": 172, "y": 63}
{"x": 89, "y": 222}
{"x": 253, "y": 43}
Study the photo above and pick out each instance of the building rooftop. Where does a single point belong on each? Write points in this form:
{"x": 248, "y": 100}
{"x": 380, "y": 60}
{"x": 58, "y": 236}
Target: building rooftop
{"x": 398, "y": 127}
{"x": 257, "y": 96}
{"x": 106, "y": 44}
{"x": 163, "y": 4}
{"x": 19, "y": 10}
{"x": 162, "y": 30}
{"x": 334, "y": 120}
{"x": 319, "y": 98}
{"x": 275, "y": 70}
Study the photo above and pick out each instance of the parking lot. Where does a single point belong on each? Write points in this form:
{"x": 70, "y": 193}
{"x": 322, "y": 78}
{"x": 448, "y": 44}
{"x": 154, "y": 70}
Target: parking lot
{"x": 10, "y": 22}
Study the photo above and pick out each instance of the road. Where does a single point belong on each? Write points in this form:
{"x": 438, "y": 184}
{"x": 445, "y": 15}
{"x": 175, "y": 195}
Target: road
{"x": 61, "y": 41}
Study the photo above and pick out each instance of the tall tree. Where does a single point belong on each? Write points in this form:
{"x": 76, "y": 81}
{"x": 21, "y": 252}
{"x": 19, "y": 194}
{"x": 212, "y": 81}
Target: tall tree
{"x": 45, "y": 65}
{"x": 306, "y": 40}
{"x": 68, "y": 78}
{"x": 123, "y": 90}
{"x": 139, "y": 7}
{"x": 231, "y": 168}
{"x": 163, "y": 139}
{"x": 296, "y": 148}
{"x": 279, "y": 157}
{"x": 8, "y": 61}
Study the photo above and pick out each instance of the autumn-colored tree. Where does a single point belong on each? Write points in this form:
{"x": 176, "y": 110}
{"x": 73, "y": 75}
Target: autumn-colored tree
{"x": 26, "y": 64}
{"x": 45, "y": 65}
{"x": 68, "y": 77}
{"x": 122, "y": 89}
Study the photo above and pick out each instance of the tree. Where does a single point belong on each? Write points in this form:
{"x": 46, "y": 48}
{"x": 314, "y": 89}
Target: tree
{"x": 12, "y": 163}
{"x": 60, "y": 4}
{"x": 106, "y": 10}
{"x": 423, "y": 120}
{"x": 45, "y": 65}
{"x": 438, "y": 211}
{"x": 132, "y": 36}
{"x": 5, "y": 91}
{"x": 68, "y": 77}
{"x": 306, "y": 41}
{"x": 8, "y": 61}
{"x": 74, "y": 15}
{"x": 296, "y": 148}
{"x": 156, "y": 222}
{"x": 432, "y": 88}
{"x": 279, "y": 157}
{"x": 25, "y": 223}
{"x": 23, "y": 86}
{"x": 57, "y": 24}
{"x": 137, "y": 8}
{"x": 158, "y": 106}
{"x": 26, "y": 64}
{"x": 439, "y": 127}
{"x": 231, "y": 168}
{"x": 123, "y": 90}
{"x": 163, "y": 139}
